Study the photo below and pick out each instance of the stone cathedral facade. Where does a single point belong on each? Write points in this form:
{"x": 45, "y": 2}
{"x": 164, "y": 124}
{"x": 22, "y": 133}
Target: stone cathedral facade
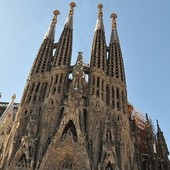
{"x": 75, "y": 123}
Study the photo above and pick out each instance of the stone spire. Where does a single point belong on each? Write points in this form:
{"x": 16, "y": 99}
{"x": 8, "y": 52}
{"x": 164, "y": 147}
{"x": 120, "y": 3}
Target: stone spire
{"x": 51, "y": 30}
{"x": 32, "y": 96}
{"x": 99, "y": 53}
{"x": 162, "y": 148}
{"x": 6, "y": 122}
{"x": 114, "y": 34}
{"x": 115, "y": 59}
{"x": 43, "y": 60}
{"x": 64, "y": 46}
{"x": 7, "y": 117}
{"x": 150, "y": 143}
{"x": 99, "y": 23}
{"x": 69, "y": 20}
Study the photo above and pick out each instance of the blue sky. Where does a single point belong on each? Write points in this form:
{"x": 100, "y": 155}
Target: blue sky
{"x": 143, "y": 28}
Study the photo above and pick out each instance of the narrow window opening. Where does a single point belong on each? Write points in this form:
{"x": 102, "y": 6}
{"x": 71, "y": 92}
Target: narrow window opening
{"x": 85, "y": 120}
{"x": 107, "y": 95}
{"x": 98, "y": 81}
{"x": 117, "y": 93}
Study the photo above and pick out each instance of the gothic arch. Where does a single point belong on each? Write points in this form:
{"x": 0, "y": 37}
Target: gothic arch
{"x": 109, "y": 166}
{"x": 72, "y": 129}
{"x": 23, "y": 162}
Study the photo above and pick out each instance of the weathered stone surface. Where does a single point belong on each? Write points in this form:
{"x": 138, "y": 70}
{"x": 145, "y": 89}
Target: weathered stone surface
{"x": 77, "y": 117}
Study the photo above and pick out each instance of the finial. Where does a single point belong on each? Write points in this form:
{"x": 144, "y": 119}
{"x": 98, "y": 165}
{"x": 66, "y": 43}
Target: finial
{"x": 56, "y": 13}
{"x": 72, "y": 5}
{"x": 69, "y": 20}
{"x": 100, "y": 6}
{"x": 51, "y": 29}
{"x": 113, "y": 17}
{"x": 114, "y": 34}
{"x": 99, "y": 23}
{"x": 13, "y": 97}
{"x": 80, "y": 53}
{"x": 100, "y": 13}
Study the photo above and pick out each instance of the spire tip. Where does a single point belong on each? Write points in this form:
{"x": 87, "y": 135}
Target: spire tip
{"x": 80, "y": 53}
{"x": 56, "y": 12}
{"x": 147, "y": 118}
{"x": 100, "y": 6}
{"x": 113, "y": 16}
{"x": 13, "y": 97}
{"x": 50, "y": 33}
{"x": 157, "y": 122}
{"x": 72, "y": 4}
{"x": 100, "y": 13}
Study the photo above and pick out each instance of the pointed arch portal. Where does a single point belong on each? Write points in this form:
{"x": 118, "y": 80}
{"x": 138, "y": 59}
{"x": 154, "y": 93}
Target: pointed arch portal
{"x": 70, "y": 127}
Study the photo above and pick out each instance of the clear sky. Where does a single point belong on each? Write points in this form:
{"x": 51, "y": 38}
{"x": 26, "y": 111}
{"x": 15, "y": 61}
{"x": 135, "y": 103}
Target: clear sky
{"x": 144, "y": 32}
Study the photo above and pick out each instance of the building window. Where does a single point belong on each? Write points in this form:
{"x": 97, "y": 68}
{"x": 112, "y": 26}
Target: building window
{"x": 107, "y": 94}
{"x": 70, "y": 128}
{"x": 98, "y": 81}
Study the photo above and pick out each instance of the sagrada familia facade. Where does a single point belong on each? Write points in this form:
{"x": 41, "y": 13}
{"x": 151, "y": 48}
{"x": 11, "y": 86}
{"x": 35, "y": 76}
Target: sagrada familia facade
{"x": 82, "y": 121}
